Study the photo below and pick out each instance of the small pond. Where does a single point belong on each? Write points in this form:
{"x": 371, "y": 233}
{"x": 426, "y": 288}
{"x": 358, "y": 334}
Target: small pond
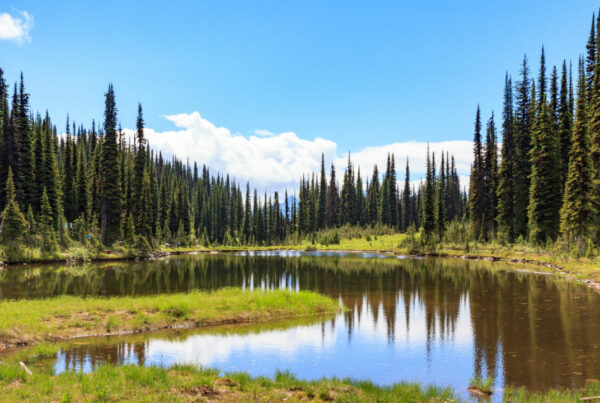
{"x": 427, "y": 320}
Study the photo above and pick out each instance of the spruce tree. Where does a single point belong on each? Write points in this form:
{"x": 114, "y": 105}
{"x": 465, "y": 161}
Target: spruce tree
{"x": 491, "y": 176}
{"x": 138, "y": 170}
{"x": 322, "y": 206}
{"x": 506, "y": 173}
{"x": 110, "y": 195}
{"x": 46, "y": 225}
{"x": 522, "y": 136}
{"x": 428, "y": 200}
{"x": 544, "y": 204}
{"x": 14, "y": 223}
{"x": 593, "y": 116}
{"x": 477, "y": 189}
{"x": 373, "y": 198}
{"x": 440, "y": 201}
{"x": 406, "y": 200}
{"x": 4, "y": 127}
{"x": 577, "y": 212}
{"x": 332, "y": 201}
{"x": 25, "y": 139}
{"x": 565, "y": 120}
{"x": 348, "y": 198}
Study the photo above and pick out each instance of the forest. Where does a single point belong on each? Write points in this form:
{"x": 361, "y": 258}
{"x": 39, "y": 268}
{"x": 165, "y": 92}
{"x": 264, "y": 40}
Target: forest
{"x": 91, "y": 187}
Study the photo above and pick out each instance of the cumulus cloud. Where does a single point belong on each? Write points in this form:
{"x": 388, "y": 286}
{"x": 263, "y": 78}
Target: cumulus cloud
{"x": 16, "y": 27}
{"x": 277, "y": 161}
{"x": 272, "y": 161}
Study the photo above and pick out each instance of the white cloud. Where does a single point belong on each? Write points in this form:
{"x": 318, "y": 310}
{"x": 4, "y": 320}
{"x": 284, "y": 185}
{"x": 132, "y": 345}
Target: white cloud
{"x": 268, "y": 162}
{"x": 16, "y": 27}
{"x": 277, "y": 161}
{"x": 264, "y": 133}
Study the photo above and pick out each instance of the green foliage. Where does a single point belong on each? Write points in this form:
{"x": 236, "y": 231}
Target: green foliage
{"x": 484, "y": 385}
{"x": 14, "y": 223}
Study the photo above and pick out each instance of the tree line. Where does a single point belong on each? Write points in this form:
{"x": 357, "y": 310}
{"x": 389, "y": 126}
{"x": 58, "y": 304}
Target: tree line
{"x": 93, "y": 186}
{"x": 546, "y": 184}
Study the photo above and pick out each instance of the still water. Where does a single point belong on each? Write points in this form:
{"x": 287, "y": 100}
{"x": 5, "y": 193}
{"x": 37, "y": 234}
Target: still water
{"x": 427, "y": 320}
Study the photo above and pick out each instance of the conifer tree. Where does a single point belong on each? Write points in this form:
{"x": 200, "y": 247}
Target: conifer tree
{"x": 4, "y": 127}
{"x": 14, "y": 223}
{"x": 138, "y": 170}
{"x": 52, "y": 177}
{"x": 440, "y": 201}
{"x": 576, "y": 212}
{"x": 544, "y": 204}
{"x": 590, "y": 61}
{"x": 46, "y": 225}
{"x": 522, "y": 136}
{"x": 507, "y": 172}
{"x": 428, "y": 200}
{"x": 491, "y": 176}
{"x": 332, "y": 201}
{"x": 373, "y": 198}
{"x": 477, "y": 186}
{"x": 593, "y": 116}
{"x": 406, "y": 200}
{"x": 322, "y": 206}
{"x": 360, "y": 200}
{"x": 25, "y": 140}
{"x": 564, "y": 123}
{"x": 110, "y": 196}
{"x": 348, "y": 198}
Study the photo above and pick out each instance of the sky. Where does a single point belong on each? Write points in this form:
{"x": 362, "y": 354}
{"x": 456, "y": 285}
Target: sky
{"x": 260, "y": 89}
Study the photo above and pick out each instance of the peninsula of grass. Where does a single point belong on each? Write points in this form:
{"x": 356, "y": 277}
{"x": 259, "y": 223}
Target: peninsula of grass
{"x": 66, "y": 317}
{"x": 182, "y": 383}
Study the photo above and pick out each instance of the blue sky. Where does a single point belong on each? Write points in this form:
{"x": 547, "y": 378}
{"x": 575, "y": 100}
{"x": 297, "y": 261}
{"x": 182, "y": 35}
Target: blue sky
{"x": 357, "y": 74}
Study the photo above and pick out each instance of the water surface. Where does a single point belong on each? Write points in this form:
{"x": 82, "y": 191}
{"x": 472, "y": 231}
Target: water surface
{"x": 428, "y": 320}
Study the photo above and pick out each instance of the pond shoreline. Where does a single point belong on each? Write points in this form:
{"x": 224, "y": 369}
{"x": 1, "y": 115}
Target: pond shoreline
{"x": 565, "y": 272}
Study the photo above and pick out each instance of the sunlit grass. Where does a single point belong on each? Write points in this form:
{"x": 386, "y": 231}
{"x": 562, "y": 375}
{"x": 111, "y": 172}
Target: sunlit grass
{"x": 190, "y": 383}
{"x": 68, "y": 316}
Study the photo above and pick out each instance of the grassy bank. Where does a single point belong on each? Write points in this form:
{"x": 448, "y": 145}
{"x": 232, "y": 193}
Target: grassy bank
{"x": 189, "y": 383}
{"x": 30, "y": 321}
{"x": 552, "y": 259}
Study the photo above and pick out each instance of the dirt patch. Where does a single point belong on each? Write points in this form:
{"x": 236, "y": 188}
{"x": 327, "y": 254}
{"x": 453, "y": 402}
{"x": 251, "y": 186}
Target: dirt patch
{"x": 205, "y": 391}
{"x": 478, "y": 392}
{"x": 226, "y": 382}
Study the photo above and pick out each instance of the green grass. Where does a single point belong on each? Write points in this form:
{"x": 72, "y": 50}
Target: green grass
{"x": 186, "y": 382}
{"x": 483, "y": 385}
{"x": 31, "y": 321}
{"x": 189, "y": 383}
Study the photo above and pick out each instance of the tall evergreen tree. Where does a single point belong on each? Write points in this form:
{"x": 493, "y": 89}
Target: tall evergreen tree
{"x": 110, "y": 195}
{"x": 577, "y": 211}
{"x": 507, "y": 172}
{"x": 322, "y": 206}
{"x": 522, "y": 136}
{"x": 440, "y": 201}
{"x": 491, "y": 176}
{"x": 406, "y": 200}
{"x": 428, "y": 200}
{"x": 332, "y": 201}
{"x": 138, "y": 202}
{"x": 544, "y": 204}
{"x": 373, "y": 198}
{"x": 477, "y": 192}
{"x": 14, "y": 223}
{"x": 564, "y": 123}
{"x": 25, "y": 139}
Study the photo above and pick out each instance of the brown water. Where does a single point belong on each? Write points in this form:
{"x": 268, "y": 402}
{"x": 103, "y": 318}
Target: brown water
{"x": 429, "y": 320}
